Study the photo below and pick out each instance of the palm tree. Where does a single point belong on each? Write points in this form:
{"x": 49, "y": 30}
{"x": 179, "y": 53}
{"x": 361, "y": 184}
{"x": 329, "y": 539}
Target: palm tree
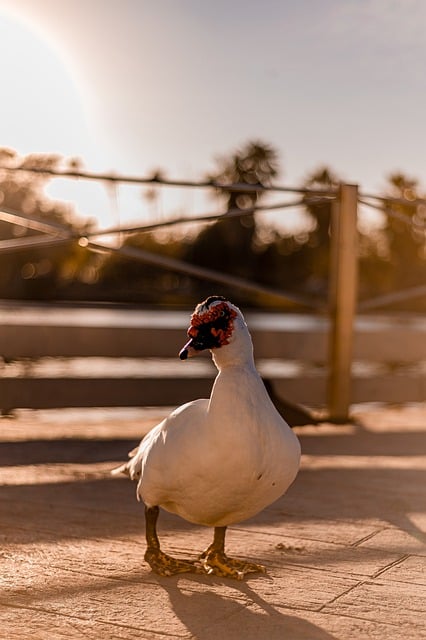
{"x": 228, "y": 243}
{"x": 405, "y": 231}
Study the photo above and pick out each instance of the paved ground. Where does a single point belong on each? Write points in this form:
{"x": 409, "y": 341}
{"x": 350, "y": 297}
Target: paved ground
{"x": 345, "y": 548}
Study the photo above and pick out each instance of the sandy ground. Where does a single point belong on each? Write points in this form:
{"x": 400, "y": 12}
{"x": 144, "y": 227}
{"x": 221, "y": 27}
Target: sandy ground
{"x": 344, "y": 549}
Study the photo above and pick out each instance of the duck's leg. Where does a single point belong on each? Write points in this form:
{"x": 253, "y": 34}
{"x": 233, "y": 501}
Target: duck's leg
{"x": 214, "y": 559}
{"x": 160, "y": 562}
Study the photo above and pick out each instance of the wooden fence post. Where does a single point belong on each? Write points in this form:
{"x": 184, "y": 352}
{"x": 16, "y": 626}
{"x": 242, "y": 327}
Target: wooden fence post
{"x": 342, "y": 300}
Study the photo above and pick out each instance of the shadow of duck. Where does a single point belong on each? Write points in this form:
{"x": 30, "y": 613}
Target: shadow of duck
{"x": 212, "y": 609}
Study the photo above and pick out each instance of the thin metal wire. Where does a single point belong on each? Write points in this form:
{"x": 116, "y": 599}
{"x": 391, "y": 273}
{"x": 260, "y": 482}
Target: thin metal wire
{"x": 231, "y": 213}
{"x": 164, "y": 262}
{"x": 201, "y": 184}
{"x": 31, "y": 242}
{"x": 390, "y": 298}
{"x": 386, "y": 199}
{"x": 31, "y": 222}
{"x": 160, "y": 180}
{"x": 203, "y": 273}
{"x": 389, "y": 212}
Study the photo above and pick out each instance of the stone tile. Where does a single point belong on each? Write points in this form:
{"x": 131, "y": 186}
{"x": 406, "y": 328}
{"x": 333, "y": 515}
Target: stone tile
{"x": 398, "y": 541}
{"x": 262, "y": 621}
{"x": 386, "y": 602}
{"x": 298, "y": 587}
{"x": 143, "y": 608}
{"x": 337, "y": 531}
{"x": 278, "y": 550}
{"x": 21, "y": 623}
{"x": 344, "y": 548}
{"x": 411, "y": 570}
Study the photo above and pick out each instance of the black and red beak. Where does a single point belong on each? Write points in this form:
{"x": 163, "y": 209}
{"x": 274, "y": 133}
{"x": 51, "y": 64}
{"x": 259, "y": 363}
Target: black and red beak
{"x": 202, "y": 338}
{"x": 188, "y": 350}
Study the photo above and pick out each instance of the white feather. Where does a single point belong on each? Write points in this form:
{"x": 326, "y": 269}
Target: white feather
{"x": 219, "y": 461}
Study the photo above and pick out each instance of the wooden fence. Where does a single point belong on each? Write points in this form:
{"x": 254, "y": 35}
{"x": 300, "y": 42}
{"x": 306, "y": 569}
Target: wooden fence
{"x": 332, "y": 359}
{"x": 83, "y": 357}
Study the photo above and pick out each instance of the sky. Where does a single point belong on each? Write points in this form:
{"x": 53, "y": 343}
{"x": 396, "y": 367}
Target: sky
{"x": 131, "y": 86}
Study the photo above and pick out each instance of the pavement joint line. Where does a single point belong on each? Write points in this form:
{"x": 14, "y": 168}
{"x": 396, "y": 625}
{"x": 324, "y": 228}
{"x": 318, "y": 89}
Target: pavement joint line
{"x": 357, "y": 543}
{"x": 131, "y": 628}
{"x": 30, "y": 607}
{"x": 69, "y": 536}
{"x": 128, "y": 580}
{"x": 343, "y": 593}
{"x": 273, "y": 534}
{"x": 344, "y": 545}
{"x": 367, "y": 581}
{"x": 61, "y": 614}
{"x": 337, "y": 574}
{"x": 395, "y": 563}
{"x": 303, "y": 517}
{"x": 342, "y": 614}
{"x": 310, "y": 567}
{"x": 293, "y": 607}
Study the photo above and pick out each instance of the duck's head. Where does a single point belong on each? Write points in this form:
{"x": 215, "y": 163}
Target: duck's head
{"x": 212, "y": 326}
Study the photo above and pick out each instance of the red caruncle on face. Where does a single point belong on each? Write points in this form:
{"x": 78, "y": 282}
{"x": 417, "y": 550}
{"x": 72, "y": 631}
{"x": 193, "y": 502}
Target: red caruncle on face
{"x": 217, "y": 321}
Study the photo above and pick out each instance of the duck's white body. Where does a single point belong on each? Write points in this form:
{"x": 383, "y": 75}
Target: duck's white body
{"x": 219, "y": 461}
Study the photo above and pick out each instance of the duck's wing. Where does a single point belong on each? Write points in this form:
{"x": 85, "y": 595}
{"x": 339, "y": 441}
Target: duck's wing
{"x": 164, "y": 439}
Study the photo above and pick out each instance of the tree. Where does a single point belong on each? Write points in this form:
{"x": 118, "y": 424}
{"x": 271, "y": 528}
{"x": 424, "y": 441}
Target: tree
{"x": 228, "y": 243}
{"x": 35, "y": 272}
{"x": 126, "y": 280}
{"x": 315, "y": 251}
{"x": 405, "y": 222}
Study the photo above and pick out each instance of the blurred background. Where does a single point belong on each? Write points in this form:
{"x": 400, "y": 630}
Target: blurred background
{"x": 300, "y": 94}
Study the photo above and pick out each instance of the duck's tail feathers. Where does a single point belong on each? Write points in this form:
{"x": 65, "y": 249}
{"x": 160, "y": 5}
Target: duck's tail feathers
{"x": 122, "y": 469}
{"x": 125, "y": 468}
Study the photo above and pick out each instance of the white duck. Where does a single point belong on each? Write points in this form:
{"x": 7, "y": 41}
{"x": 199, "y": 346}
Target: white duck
{"x": 219, "y": 461}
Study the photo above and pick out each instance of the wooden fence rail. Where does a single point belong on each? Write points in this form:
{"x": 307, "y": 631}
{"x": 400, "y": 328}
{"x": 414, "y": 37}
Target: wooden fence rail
{"x": 79, "y": 357}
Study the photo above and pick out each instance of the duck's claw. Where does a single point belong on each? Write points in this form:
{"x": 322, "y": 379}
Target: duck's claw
{"x": 217, "y": 562}
{"x": 166, "y": 565}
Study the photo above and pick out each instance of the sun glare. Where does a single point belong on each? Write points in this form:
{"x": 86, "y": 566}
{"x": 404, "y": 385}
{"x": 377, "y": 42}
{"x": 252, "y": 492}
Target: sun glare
{"x": 43, "y": 111}
{"x": 41, "y": 108}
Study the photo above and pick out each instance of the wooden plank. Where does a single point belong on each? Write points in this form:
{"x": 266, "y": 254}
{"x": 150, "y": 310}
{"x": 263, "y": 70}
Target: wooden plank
{"x": 50, "y": 393}
{"x": 70, "y": 341}
{"x": 375, "y": 340}
{"x": 305, "y": 346}
{"x": 41, "y": 341}
{"x": 390, "y": 340}
{"x": 35, "y": 331}
{"x": 395, "y": 388}
{"x": 342, "y": 300}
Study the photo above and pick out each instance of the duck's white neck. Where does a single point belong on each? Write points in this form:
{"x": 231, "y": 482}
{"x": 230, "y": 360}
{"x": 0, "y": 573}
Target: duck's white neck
{"x": 239, "y": 351}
